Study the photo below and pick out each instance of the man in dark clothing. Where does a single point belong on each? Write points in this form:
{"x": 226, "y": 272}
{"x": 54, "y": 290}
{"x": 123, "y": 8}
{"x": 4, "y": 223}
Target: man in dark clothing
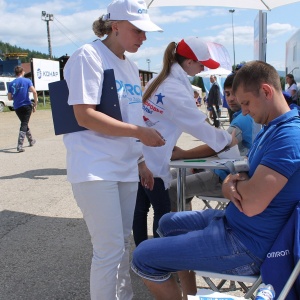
{"x": 214, "y": 100}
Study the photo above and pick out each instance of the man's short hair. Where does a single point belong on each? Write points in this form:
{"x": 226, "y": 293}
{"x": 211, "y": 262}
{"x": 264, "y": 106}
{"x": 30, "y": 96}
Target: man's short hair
{"x": 229, "y": 81}
{"x": 18, "y": 70}
{"x": 255, "y": 73}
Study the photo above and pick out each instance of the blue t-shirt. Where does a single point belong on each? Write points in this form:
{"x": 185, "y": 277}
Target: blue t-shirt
{"x": 19, "y": 88}
{"x": 245, "y": 124}
{"x": 295, "y": 106}
{"x": 277, "y": 146}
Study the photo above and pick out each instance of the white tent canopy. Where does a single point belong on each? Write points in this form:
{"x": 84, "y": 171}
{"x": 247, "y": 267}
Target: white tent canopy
{"x": 221, "y": 72}
{"x": 248, "y": 4}
{"x": 196, "y": 88}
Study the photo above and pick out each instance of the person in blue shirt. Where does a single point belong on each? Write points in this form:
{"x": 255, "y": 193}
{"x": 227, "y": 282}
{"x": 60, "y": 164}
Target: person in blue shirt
{"x": 209, "y": 182}
{"x": 235, "y": 240}
{"x": 18, "y": 91}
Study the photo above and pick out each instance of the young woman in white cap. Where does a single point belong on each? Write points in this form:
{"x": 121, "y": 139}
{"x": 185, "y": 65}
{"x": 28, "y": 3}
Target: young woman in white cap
{"x": 169, "y": 107}
{"x": 103, "y": 162}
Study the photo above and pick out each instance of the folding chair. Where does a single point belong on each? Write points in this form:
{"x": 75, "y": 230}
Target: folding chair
{"x": 255, "y": 281}
{"x": 281, "y": 267}
{"x": 215, "y": 116}
{"x": 223, "y": 121}
{"x": 221, "y": 202}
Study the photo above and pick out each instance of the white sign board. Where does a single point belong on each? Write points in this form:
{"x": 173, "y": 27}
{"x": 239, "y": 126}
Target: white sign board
{"x": 44, "y": 72}
{"x": 260, "y": 36}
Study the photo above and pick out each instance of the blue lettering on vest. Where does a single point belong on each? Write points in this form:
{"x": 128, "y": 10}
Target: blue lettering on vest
{"x": 129, "y": 88}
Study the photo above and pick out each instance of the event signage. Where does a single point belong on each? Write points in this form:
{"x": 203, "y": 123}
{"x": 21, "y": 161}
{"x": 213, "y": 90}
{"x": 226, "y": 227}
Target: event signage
{"x": 45, "y": 71}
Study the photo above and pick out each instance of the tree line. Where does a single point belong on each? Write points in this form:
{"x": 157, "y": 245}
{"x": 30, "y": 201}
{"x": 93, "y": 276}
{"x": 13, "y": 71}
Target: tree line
{"x": 6, "y": 48}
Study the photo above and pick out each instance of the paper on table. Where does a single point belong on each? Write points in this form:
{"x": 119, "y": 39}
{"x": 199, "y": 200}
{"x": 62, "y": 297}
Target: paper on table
{"x": 224, "y": 160}
{"x": 233, "y": 152}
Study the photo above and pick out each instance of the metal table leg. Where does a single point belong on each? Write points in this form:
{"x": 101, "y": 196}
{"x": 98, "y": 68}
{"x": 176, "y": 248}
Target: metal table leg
{"x": 181, "y": 173}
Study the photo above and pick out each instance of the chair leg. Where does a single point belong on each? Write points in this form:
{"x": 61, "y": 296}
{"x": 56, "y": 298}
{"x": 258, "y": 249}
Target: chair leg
{"x": 290, "y": 282}
{"x": 220, "y": 285}
{"x": 210, "y": 284}
{"x": 250, "y": 292}
{"x": 206, "y": 202}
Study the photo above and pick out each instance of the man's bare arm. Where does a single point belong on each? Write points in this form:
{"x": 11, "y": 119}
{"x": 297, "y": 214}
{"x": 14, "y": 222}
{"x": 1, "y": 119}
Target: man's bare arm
{"x": 253, "y": 195}
{"x": 197, "y": 152}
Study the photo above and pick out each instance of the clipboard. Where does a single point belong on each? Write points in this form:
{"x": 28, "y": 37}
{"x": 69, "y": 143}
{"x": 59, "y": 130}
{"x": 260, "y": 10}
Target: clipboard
{"x": 64, "y": 120}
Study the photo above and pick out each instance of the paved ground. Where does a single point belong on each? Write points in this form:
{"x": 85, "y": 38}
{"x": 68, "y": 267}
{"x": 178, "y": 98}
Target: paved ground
{"x": 45, "y": 250}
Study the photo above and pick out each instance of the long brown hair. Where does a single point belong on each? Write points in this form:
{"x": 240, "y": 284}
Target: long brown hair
{"x": 170, "y": 57}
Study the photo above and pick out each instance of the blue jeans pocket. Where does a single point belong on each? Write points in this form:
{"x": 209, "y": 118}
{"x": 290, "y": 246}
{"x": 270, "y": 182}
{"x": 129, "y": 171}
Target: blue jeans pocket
{"x": 247, "y": 269}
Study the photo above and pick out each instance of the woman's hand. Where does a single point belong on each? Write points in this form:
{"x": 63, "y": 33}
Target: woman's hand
{"x": 146, "y": 175}
{"x": 150, "y": 137}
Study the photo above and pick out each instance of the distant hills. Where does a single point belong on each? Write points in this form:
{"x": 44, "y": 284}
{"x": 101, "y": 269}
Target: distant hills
{"x": 6, "y": 48}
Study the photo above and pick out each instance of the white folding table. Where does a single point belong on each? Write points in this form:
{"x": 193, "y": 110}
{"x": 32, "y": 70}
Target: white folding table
{"x": 197, "y": 163}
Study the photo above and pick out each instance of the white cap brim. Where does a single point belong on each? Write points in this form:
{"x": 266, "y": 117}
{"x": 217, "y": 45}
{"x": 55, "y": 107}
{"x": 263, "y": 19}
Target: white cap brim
{"x": 145, "y": 25}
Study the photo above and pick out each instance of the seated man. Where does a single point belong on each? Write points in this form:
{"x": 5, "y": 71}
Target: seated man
{"x": 235, "y": 240}
{"x": 209, "y": 182}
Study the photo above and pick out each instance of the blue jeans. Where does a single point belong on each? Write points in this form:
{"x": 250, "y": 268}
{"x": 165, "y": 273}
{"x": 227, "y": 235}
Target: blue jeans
{"x": 193, "y": 240}
{"x": 160, "y": 201}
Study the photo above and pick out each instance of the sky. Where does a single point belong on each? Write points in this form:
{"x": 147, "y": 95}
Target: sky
{"x": 21, "y": 25}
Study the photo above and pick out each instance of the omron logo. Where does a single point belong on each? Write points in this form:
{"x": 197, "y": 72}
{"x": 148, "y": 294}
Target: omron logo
{"x": 278, "y": 253}
{"x": 39, "y": 73}
{"x": 142, "y": 11}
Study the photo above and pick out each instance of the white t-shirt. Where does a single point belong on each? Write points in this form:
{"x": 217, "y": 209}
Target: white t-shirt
{"x": 172, "y": 110}
{"x": 91, "y": 155}
{"x": 289, "y": 90}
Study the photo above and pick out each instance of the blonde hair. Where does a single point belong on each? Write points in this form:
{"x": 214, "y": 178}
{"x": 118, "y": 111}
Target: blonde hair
{"x": 170, "y": 57}
{"x": 101, "y": 27}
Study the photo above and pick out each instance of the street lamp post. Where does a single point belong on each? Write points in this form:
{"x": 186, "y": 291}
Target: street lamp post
{"x": 48, "y": 17}
{"x": 148, "y": 61}
{"x": 294, "y": 69}
{"x": 232, "y": 11}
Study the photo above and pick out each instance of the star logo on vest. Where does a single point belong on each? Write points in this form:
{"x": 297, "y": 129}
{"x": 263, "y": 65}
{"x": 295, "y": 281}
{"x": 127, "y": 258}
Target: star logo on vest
{"x": 160, "y": 98}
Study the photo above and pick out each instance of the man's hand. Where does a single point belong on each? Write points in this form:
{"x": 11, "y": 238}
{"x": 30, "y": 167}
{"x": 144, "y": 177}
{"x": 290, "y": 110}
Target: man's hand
{"x": 229, "y": 189}
{"x": 177, "y": 153}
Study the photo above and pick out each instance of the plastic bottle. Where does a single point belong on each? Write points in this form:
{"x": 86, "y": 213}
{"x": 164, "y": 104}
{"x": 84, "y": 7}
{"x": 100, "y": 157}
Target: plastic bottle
{"x": 265, "y": 292}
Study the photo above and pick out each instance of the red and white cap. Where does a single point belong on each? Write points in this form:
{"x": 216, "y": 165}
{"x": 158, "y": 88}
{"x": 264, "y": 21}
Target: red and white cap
{"x": 196, "y": 49}
{"x": 133, "y": 11}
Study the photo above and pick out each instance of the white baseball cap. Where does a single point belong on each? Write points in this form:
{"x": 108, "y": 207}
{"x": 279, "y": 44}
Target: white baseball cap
{"x": 196, "y": 49}
{"x": 133, "y": 11}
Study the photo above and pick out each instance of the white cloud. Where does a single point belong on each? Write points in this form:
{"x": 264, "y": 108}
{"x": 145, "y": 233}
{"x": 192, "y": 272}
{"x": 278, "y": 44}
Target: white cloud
{"x": 31, "y": 31}
{"x": 182, "y": 16}
{"x": 276, "y": 30}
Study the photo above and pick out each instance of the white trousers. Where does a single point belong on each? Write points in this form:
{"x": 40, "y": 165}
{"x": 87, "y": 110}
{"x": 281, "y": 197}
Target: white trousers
{"x": 107, "y": 208}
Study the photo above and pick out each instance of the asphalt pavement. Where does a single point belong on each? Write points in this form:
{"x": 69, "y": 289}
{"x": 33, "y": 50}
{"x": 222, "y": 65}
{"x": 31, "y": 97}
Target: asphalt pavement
{"x": 45, "y": 248}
